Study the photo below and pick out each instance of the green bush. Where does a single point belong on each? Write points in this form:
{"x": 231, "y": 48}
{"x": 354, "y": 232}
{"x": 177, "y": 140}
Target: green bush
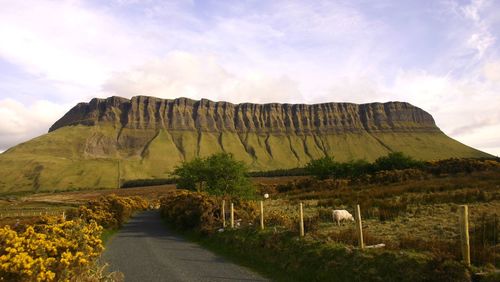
{"x": 396, "y": 160}
{"x": 322, "y": 168}
{"x": 219, "y": 174}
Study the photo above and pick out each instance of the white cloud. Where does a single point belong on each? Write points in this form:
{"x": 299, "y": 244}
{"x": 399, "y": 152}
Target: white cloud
{"x": 481, "y": 39}
{"x": 20, "y": 122}
{"x": 182, "y": 74}
{"x": 491, "y": 71}
{"x": 67, "y": 42}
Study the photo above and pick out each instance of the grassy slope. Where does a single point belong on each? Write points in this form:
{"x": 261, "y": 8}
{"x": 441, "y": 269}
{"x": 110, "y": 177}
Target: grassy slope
{"x": 80, "y": 157}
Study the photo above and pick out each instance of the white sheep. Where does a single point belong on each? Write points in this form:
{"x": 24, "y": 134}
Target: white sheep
{"x": 341, "y": 215}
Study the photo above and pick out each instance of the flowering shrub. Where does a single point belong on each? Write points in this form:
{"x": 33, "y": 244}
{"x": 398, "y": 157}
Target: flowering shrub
{"x": 110, "y": 211}
{"x": 56, "y": 250}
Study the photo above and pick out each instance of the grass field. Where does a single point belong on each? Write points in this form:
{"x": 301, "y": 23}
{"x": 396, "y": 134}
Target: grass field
{"x": 420, "y": 215}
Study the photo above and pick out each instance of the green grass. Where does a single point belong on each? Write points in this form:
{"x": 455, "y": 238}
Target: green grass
{"x": 107, "y": 234}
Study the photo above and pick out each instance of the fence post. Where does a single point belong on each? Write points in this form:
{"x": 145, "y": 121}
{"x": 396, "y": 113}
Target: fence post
{"x": 223, "y": 213}
{"x": 232, "y": 215}
{"x": 357, "y": 213}
{"x": 464, "y": 233}
{"x": 64, "y": 216}
{"x": 301, "y": 221}
{"x": 262, "y": 215}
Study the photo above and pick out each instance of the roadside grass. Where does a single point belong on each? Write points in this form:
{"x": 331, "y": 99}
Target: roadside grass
{"x": 107, "y": 234}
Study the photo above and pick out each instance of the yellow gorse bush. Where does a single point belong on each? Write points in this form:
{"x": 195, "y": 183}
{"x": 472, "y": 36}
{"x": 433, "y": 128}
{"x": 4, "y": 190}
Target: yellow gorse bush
{"x": 110, "y": 211}
{"x": 58, "y": 250}
{"x": 50, "y": 251}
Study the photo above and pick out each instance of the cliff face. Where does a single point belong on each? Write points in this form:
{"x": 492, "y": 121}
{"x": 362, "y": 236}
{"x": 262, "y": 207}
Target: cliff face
{"x": 106, "y": 141}
{"x": 185, "y": 114}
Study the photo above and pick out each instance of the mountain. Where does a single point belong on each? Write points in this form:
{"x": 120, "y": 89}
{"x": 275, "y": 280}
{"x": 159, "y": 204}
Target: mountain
{"x": 106, "y": 141}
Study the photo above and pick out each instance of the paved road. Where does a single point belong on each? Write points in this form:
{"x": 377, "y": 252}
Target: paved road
{"x": 144, "y": 250}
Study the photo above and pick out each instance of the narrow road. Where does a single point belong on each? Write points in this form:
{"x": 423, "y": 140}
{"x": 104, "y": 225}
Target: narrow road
{"x": 145, "y": 250}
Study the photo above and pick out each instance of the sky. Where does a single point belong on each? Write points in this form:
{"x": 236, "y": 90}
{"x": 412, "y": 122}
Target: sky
{"x": 440, "y": 55}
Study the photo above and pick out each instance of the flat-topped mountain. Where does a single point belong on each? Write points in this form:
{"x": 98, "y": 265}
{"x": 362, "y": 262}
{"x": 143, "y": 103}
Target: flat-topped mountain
{"x": 143, "y": 112}
{"x": 106, "y": 141}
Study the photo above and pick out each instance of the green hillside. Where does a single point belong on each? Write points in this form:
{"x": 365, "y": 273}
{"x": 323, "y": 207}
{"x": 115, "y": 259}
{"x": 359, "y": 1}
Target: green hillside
{"x": 100, "y": 156}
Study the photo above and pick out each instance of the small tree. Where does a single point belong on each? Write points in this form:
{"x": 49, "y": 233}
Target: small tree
{"x": 218, "y": 174}
{"x": 227, "y": 176}
{"x": 322, "y": 168}
{"x": 191, "y": 175}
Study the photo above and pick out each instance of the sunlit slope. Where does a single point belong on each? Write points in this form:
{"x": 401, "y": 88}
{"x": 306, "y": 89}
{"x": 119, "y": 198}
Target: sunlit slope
{"x": 90, "y": 157}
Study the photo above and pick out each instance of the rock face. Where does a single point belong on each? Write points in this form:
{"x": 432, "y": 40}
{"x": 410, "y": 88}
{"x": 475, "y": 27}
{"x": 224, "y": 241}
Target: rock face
{"x": 106, "y": 141}
{"x": 143, "y": 112}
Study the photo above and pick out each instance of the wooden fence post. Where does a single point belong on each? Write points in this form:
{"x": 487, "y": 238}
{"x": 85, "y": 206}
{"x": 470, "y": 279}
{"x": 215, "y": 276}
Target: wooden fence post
{"x": 262, "y": 215}
{"x": 232, "y": 215}
{"x": 301, "y": 221}
{"x": 223, "y": 213}
{"x": 357, "y": 213}
{"x": 464, "y": 233}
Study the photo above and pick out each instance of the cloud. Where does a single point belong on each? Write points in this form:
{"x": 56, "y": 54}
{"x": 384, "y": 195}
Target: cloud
{"x": 67, "y": 42}
{"x": 20, "y": 122}
{"x": 182, "y": 74}
{"x": 491, "y": 71}
{"x": 474, "y": 125}
{"x": 481, "y": 38}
